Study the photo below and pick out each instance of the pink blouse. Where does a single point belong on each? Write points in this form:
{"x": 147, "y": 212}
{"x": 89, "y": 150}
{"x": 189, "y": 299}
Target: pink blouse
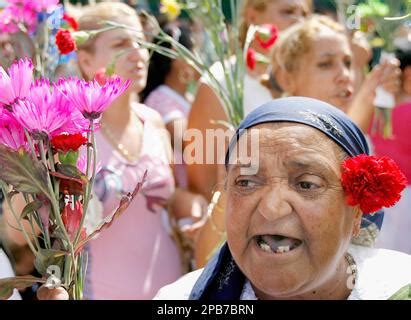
{"x": 136, "y": 256}
{"x": 398, "y": 148}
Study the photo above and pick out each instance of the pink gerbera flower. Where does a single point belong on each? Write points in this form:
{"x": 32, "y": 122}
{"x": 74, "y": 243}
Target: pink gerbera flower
{"x": 41, "y": 113}
{"x": 76, "y": 123}
{"x": 89, "y": 97}
{"x": 11, "y": 131}
{"x": 16, "y": 83}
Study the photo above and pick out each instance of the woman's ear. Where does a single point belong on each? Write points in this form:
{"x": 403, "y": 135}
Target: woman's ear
{"x": 285, "y": 80}
{"x": 357, "y": 222}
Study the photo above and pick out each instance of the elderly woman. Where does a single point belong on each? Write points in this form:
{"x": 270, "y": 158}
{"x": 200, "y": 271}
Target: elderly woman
{"x": 294, "y": 209}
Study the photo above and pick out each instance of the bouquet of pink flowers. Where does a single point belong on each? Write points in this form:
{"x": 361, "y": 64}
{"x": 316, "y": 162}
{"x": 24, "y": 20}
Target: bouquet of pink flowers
{"x": 48, "y": 156}
{"x": 43, "y": 127}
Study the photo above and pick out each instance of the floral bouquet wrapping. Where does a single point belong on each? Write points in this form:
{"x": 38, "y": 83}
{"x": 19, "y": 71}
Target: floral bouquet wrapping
{"x": 48, "y": 157}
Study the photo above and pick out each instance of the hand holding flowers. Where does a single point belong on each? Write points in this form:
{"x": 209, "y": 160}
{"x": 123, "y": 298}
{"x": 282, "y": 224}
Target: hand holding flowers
{"x": 43, "y": 127}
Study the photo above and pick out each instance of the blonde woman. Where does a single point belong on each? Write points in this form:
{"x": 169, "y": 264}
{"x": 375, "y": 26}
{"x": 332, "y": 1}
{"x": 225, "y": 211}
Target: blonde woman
{"x": 314, "y": 59}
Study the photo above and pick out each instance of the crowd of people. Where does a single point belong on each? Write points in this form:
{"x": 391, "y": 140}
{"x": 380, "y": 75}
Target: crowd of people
{"x": 314, "y": 106}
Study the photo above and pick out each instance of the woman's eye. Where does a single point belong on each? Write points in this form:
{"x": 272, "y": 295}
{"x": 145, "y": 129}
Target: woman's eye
{"x": 325, "y": 64}
{"x": 305, "y": 185}
{"x": 347, "y": 63}
{"x": 245, "y": 183}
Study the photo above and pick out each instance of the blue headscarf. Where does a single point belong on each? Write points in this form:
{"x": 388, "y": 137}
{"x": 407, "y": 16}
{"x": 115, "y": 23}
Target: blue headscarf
{"x": 314, "y": 113}
{"x": 221, "y": 278}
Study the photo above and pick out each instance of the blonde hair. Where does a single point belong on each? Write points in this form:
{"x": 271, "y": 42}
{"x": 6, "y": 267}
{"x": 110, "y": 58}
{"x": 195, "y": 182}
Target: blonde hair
{"x": 297, "y": 40}
{"x": 93, "y": 17}
{"x": 260, "y": 6}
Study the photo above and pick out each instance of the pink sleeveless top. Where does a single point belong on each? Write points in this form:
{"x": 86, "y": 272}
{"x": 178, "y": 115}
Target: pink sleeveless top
{"x": 136, "y": 256}
{"x": 399, "y": 147}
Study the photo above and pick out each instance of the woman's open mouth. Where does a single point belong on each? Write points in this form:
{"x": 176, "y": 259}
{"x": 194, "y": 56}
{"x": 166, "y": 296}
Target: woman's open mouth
{"x": 277, "y": 244}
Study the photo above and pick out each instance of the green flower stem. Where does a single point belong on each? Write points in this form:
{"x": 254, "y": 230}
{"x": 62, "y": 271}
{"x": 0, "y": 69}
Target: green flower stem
{"x": 30, "y": 142}
{"x": 67, "y": 244}
{"x": 67, "y": 271}
{"x": 91, "y": 151}
{"x": 56, "y": 182}
{"x": 30, "y": 219}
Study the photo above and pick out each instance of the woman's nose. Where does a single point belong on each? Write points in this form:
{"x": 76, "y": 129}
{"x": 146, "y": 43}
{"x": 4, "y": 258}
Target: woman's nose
{"x": 344, "y": 74}
{"x": 275, "y": 203}
{"x": 136, "y": 52}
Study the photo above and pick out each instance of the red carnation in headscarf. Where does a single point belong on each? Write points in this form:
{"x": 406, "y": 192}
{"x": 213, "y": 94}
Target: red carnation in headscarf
{"x": 372, "y": 182}
{"x": 71, "y": 21}
{"x": 251, "y": 59}
{"x": 68, "y": 142}
{"x": 266, "y": 35}
{"x": 65, "y": 41}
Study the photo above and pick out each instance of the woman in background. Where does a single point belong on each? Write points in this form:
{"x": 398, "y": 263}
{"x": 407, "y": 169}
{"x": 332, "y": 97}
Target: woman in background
{"x": 395, "y": 233}
{"x": 166, "y": 92}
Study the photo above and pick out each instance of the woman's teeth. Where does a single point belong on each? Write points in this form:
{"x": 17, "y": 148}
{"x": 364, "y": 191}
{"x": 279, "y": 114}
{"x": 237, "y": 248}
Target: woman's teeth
{"x": 277, "y": 244}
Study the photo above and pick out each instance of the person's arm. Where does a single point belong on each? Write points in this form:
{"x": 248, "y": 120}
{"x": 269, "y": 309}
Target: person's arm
{"x": 176, "y": 128}
{"x": 205, "y": 111}
{"x": 361, "y": 110}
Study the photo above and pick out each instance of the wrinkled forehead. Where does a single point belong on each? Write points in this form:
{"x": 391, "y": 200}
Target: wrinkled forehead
{"x": 262, "y": 144}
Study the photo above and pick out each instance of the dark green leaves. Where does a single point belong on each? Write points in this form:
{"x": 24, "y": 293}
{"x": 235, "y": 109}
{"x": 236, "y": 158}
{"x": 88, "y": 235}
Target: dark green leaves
{"x": 25, "y": 174}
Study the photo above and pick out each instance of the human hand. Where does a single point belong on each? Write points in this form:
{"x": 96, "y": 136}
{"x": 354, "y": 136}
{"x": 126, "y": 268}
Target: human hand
{"x": 186, "y": 204}
{"x": 44, "y": 293}
{"x": 390, "y": 78}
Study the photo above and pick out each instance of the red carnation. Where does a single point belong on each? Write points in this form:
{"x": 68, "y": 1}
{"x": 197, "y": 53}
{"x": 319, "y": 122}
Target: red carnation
{"x": 372, "y": 182}
{"x": 251, "y": 59}
{"x": 266, "y": 35}
{"x": 68, "y": 142}
{"x": 71, "y": 21}
{"x": 65, "y": 42}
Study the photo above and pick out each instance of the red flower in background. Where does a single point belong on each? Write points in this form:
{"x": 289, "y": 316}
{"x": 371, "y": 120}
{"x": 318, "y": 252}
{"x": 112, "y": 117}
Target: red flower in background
{"x": 71, "y": 21}
{"x": 266, "y": 35}
{"x": 68, "y": 142}
{"x": 372, "y": 182}
{"x": 251, "y": 62}
{"x": 65, "y": 42}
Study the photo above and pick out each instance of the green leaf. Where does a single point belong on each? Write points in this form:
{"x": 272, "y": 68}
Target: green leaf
{"x": 30, "y": 208}
{"x": 20, "y": 170}
{"x": 48, "y": 257}
{"x": 70, "y": 172}
{"x": 403, "y": 294}
{"x": 7, "y": 285}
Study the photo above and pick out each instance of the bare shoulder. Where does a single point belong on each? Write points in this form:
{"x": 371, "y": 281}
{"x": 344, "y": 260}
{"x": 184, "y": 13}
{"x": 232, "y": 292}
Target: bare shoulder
{"x": 149, "y": 114}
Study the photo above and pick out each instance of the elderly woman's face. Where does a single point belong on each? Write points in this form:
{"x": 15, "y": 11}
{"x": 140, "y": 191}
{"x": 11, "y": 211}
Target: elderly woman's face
{"x": 288, "y": 226}
{"x": 325, "y": 72}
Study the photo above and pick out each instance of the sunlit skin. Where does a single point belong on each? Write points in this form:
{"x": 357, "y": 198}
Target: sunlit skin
{"x": 283, "y": 13}
{"x": 297, "y": 193}
{"x": 406, "y": 80}
{"x": 325, "y": 72}
{"x": 132, "y": 62}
